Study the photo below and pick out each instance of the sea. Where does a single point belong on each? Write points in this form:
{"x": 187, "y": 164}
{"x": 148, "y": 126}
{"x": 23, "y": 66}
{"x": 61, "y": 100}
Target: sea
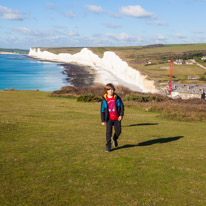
{"x": 20, "y": 72}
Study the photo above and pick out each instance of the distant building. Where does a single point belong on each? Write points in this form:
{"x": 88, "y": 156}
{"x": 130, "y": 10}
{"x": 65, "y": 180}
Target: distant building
{"x": 149, "y": 62}
{"x": 179, "y": 61}
{"x": 188, "y": 91}
{"x": 192, "y": 77}
{"x": 203, "y": 58}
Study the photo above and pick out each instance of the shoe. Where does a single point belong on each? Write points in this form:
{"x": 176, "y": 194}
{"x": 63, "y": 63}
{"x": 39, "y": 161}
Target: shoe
{"x": 108, "y": 149}
{"x": 115, "y": 143}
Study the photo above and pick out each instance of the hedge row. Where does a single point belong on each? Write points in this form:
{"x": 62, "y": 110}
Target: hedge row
{"x": 88, "y": 98}
{"x": 144, "y": 98}
{"x": 136, "y": 98}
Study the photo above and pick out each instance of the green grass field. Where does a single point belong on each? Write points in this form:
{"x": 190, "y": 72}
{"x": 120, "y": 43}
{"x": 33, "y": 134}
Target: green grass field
{"x": 52, "y": 152}
{"x": 134, "y": 51}
{"x": 159, "y": 72}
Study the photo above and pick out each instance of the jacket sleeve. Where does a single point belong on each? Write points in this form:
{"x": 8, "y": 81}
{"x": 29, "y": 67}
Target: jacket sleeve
{"x": 122, "y": 108}
{"x": 103, "y": 110}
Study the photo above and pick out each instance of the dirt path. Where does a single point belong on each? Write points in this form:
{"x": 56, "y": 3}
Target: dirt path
{"x": 192, "y": 60}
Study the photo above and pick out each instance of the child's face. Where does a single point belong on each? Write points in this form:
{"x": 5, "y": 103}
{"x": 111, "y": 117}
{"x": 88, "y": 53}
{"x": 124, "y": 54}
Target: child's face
{"x": 110, "y": 92}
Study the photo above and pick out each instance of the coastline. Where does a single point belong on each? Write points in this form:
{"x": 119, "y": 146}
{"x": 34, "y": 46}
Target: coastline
{"x": 109, "y": 68}
{"x": 1, "y": 52}
{"x": 77, "y": 75}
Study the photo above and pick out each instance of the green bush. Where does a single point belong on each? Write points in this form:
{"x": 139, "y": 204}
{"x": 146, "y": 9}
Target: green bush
{"x": 88, "y": 98}
{"x": 203, "y": 78}
{"x": 144, "y": 98}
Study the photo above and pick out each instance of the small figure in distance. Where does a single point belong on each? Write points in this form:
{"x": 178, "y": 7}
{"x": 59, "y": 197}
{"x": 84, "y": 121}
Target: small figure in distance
{"x": 112, "y": 112}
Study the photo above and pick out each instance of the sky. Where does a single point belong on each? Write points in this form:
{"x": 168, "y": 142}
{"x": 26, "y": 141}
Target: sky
{"x": 97, "y": 23}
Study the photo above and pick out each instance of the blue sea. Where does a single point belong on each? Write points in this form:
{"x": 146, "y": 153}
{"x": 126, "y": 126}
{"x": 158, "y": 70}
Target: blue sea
{"x": 21, "y": 72}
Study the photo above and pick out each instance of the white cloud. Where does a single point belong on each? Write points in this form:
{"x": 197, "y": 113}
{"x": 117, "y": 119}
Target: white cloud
{"x": 55, "y": 38}
{"x": 46, "y": 34}
{"x": 199, "y": 31}
{"x": 10, "y": 14}
{"x": 153, "y": 39}
{"x": 29, "y": 32}
{"x": 124, "y": 38}
{"x": 112, "y": 26}
{"x": 71, "y": 33}
{"x": 97, "y": 35}
{"x": 23, "y": 30}
{"x": 183, "y": 38}
{"x": 61, "y": 39}
{"x": 160, "y": 37}
{"x": 180, "y": 36}
{"x": 12, "y": 38}
{"x": 199, "y": 40}
{"x": 136, "y": 11}
{"x": 159, "y": 23}
{"x": 70, "y": 14}
{"x": 96, "y": 9}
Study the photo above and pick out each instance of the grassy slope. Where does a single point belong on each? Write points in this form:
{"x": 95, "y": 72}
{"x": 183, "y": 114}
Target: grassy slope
{"x": 133, "y": 50}
{"x": 52, "y": 153}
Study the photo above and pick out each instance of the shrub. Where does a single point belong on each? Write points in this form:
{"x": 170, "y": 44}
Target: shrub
{"x": 175, "y": 109}
{"x": 88, "y": 98}
{"x": 97, "y": 89}
{"x": 203, "y": 78}
{"x": 144, "y": 98}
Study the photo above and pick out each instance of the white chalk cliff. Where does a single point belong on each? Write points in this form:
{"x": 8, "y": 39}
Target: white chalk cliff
{"x": 109, "y": 69}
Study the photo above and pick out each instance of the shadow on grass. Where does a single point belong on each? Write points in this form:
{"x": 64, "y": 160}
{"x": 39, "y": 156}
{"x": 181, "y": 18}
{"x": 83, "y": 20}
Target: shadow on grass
{"x": 150, "y": 142}
{"x": 142, "y": 124}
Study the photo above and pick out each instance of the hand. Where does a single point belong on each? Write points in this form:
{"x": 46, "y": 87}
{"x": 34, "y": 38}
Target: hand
{"x": 103, "y": 123}
{"x": 119, "y": 118}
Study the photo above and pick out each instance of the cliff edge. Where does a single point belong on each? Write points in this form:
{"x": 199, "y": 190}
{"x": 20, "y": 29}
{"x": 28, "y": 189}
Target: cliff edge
{"x": 109, "y": 68}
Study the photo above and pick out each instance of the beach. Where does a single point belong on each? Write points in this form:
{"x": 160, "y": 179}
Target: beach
{"x": 79, "y": 76}
{"x": 7, "y": 52}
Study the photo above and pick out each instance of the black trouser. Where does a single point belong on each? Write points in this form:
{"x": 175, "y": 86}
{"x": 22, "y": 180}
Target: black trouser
{"x": 117, "y": 127}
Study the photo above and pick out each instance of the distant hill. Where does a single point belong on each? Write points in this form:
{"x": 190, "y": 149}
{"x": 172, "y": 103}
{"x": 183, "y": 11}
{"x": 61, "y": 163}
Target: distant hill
{"x": 19, "y": 51}
{"x": 162, "y": 51}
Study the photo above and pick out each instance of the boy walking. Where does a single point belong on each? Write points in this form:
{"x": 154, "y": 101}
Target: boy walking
{"x": 112, "y": 112}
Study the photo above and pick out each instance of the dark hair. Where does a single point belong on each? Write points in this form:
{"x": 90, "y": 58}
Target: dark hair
{"x": 109, "y": 86}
